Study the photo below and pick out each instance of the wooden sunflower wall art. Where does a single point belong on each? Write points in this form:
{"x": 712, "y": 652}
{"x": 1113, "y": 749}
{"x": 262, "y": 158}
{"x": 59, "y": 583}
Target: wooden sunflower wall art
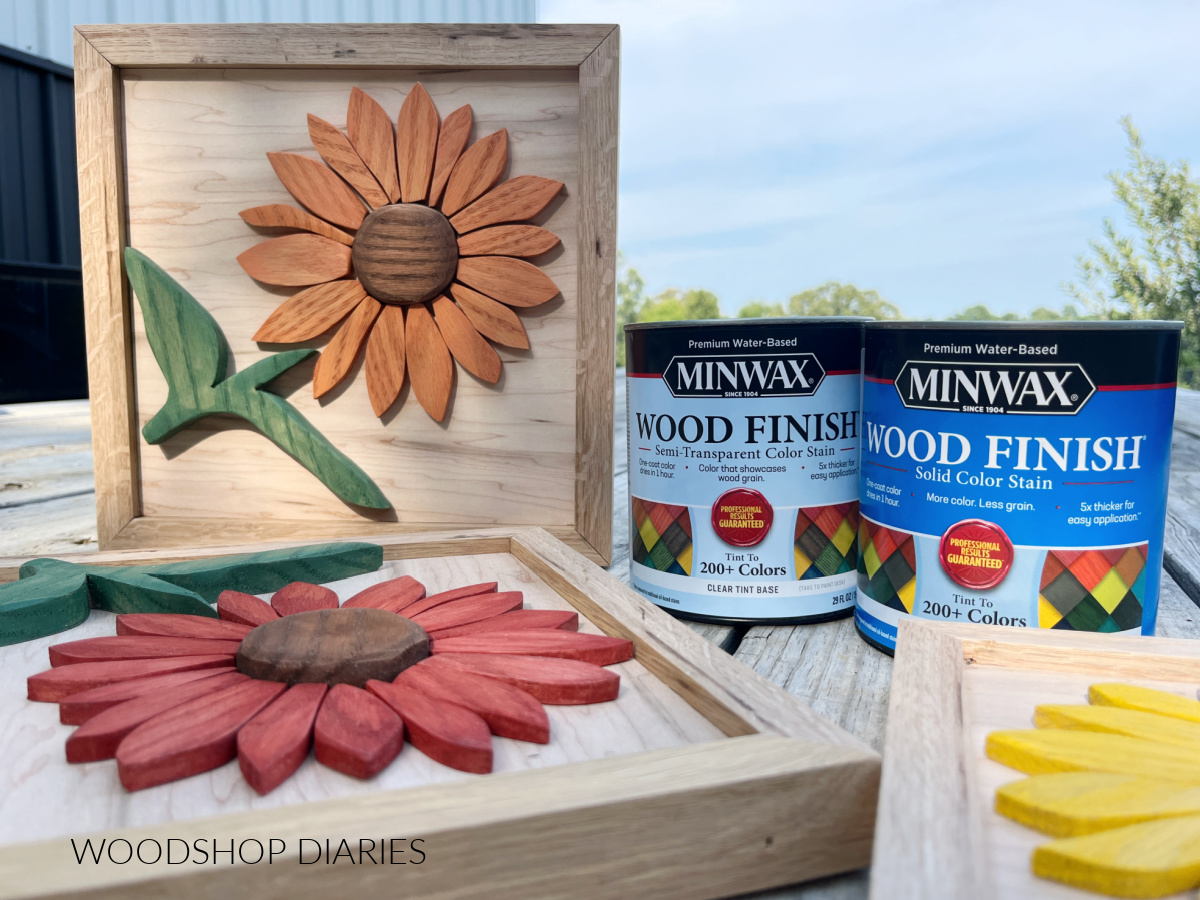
{"x": 410, "y": 240}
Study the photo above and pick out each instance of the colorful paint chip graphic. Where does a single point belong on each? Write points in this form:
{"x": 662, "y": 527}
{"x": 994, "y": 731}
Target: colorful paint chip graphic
{"x": 887, "y": 565}
{"x": 825, "y": 540}
{"x": 662, "y": 537}
{"x": 1093, "y": 590}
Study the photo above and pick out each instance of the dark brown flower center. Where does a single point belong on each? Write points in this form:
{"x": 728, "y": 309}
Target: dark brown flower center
{"x": 333, "y": 646}
{"x": 405, "y": 253}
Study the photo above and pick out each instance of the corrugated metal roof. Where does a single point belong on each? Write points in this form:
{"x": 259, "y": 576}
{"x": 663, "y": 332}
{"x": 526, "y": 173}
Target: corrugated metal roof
{"x": 43, "y": 27}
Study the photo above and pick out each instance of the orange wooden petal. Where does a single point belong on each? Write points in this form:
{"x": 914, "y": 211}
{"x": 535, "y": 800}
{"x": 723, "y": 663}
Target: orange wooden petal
{"x": 491, "y": 319}
{"x": 508, "y": 240}
{"x": 296, "y": 259}
{"x": 477, "y": 169}
{"x": 272, "y": 745}
{"x": 599, "y": 649}
{"x": 280, "y": 215}
{"x": 416, "y": 144}
{"x": 193, "y": 737}
{"x": 466, "y": 611}
{"x": 517, "y": 620}
{"x": 429, "y": 364}
{"x": 391, "y": 595}
{"x": 370, "y": 131}
{"x": 444, "y": 732}
{"x": 516, "y": 200}
{"x": 99, "y": 737}
{"x": 300, "y": 596}
{"x": 559, "y": 682}
{"x": 511, "y": 281}
{"x": 337, "y": 358}
{"x": 311, "y": 312}
{"x": 472, "y": 352}
{"x": 508, "y": 711}
{"x": 234, "y": 606}
{"x": 78, "y": 708}
{"x": 180, "y": 625}
{"x": 456, "y": 131}
{"x": 318, "y": 189}
{"x": 57, "y": 684}
{"x": 335, "y": 149}
{"x": 135, "y": 646}
{"x": 356, "y": 733}
{"x": 385, "y": 359}
{"x": 471, "y": 590}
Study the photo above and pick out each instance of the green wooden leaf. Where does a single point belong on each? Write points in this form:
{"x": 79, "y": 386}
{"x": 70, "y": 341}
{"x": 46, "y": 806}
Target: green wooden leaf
{"x": 125, "y": 591}
{"x": 51, "y": 596}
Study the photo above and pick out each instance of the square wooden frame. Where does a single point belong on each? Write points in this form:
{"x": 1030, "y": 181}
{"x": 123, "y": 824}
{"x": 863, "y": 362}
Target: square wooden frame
{"x": 102, "y": 51}
{"x": 930, "y": 839}
{"x": 788, "y": 796}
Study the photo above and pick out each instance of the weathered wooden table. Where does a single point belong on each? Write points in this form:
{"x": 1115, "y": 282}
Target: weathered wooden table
{"x": 47, "y": 507}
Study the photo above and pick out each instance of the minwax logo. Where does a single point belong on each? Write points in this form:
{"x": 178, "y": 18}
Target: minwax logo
{"x": 1046, "y": 390}
{"x": 748, "y": 375}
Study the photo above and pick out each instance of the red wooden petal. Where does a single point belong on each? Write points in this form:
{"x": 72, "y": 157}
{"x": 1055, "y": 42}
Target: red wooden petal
{"x": 470, "y": 590}
{"x": 391, "y": 595}
{"x": 273, "y": 744}
{"x": 99, "y": 737}
{"x": 561, "y": 682}
{"x": 180, "y": 625}
{"x": 464, "y": 612}
{"x": 245, "y": 609}
{"x": 54, "y": 685}
{"x": 599, "y": 649}
{"x": 79, "y": 708}
{"x": 444, "y": 732}
{"x": 517, "y": 620}
{"x": 356, "y": 733}
{"x": 191, "y": 738}
{"x": 508, "y": 711}
{"x": 135, "y": 646}
{"x": 300, "y": 596}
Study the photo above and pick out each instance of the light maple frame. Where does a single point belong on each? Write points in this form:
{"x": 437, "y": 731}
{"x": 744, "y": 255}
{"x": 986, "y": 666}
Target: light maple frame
{"x": 786, "y": 797}
{"x": 103, "y": 51}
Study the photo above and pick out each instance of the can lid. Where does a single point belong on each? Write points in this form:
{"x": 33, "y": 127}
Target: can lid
{"x": 1057, "y": 325}
{"x": 785, "y": 320}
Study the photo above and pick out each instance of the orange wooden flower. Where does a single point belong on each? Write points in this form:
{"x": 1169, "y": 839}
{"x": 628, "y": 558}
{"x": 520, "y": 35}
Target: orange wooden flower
{"x": 173, "y": 695}
{"x": 411, "y": 242}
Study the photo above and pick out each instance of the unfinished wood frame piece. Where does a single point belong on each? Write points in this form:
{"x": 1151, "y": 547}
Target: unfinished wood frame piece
{"x": 937, "y": 835}
{"x": 545, "y": 458}
{"x": 790, "y": 795}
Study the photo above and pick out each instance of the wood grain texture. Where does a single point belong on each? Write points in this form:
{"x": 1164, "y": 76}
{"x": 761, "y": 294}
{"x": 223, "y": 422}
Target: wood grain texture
{"x": 370, "y": 130}
{"x": 458, "y": 593}
{"x": 339, "y": 355}
{"x": 452, "y": 140}
{"x": 479, "y": 167}
{"x": 560, "y": 682}
{"x": 291, "y": 218}
{"x": 598, "y": 649}
{"x": 130, "y": 647}
{"x": 296, "y": 260}
{"x": 416, "y": 144}
{"x": 244, "y": 609}
{"x": 516, "y": 620}
{"x": 385, "y": 361}
{"x": 511, "y": 281}
{"x": 491, "y": 319}
{"x": 55, "y": 685}
{"x": 508, "y": 240}
{"x": 310, "y": 313}
{"x": 301, "y": 596}
{"x": 356, "y": 733}
{"x": 405, "y": 253}
{"x": 318, "y": 189}
{"x": 452, "y": 735}
{"x": 467, "y": 610}
{"x": 275, "y": 743}
{"x": 176, "y": 625}
{"x": 508, "y": 711}
{"x": 337, "y": 151}
{"x": 517, "y": 199}
{"x": 79, "y": 708}
{"x": 464, "y": 342}
{"x": 430, "y": 366}
{"x": 392, "y": 595}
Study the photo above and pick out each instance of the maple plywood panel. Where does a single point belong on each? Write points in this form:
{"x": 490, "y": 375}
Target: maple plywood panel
{"x": 195, "y": 151}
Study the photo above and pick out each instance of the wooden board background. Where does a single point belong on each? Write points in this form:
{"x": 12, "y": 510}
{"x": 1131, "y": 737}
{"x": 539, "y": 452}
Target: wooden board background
{"x": 195, "y": 151}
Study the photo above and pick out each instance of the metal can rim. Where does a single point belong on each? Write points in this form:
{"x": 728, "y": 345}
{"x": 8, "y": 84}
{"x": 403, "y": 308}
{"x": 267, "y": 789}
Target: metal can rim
{"x": 786, "y": 320}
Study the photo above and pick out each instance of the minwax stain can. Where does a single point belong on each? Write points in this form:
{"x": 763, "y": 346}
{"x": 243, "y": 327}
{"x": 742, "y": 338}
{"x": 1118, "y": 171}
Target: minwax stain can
{"x": 1014, "y": 474}
{"x": 743, "y": 466}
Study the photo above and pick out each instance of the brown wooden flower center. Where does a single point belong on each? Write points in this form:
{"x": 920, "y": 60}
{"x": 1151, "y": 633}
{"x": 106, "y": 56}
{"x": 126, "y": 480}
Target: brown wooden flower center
{"x": 405, "y": 253}
{"x": 333, "y": 646}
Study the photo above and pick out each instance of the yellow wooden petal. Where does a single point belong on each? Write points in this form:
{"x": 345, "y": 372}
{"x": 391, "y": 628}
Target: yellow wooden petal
{"x": 1130, "y": 696}
{"x": 1115, "y": 720}
{"x": 1152, "y": 859}
{"x": 1067, "y": 804}
{"x": 1039, "y": 751}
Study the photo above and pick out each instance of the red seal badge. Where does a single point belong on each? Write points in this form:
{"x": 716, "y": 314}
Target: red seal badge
{"x": 742, "y": 517}
{"x": 976, "y": 554}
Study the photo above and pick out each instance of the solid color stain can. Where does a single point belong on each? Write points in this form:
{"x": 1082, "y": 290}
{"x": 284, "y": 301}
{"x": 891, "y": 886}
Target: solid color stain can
{"x": 743, "y": 466}
{"x": 1014, "y": 474}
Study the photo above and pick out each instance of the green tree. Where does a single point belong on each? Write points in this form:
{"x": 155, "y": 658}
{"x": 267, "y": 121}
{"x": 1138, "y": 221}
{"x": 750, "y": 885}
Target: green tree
{"x": 673, "y": 305}
{"x": 631, "y": 297}
{"x": 980, "y": 313}
{"x": 760, "y": 309}
{"x": 836, "y": 299}
{"x": 1154, "y": 274}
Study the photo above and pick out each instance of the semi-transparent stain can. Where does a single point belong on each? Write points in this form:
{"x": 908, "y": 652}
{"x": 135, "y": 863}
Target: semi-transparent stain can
{"x": 1014, "y": 474}
{"x": 743, "y": 466}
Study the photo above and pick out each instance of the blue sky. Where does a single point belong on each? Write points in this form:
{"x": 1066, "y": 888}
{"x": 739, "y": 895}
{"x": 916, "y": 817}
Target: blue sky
{"x": 941, "y": 153}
